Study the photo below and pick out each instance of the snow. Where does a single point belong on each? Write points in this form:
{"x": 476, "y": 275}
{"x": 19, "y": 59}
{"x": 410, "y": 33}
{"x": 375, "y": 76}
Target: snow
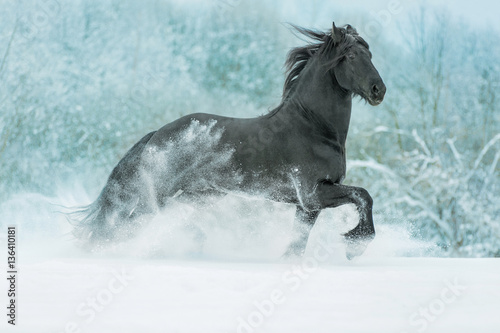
{"x": 233, "y": 279}
{"x": 372, "y": 294}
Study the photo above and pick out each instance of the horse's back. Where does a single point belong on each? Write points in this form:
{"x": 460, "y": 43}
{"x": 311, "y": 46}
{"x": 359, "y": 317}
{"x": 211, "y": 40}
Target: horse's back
{"x": 175, "y": 129}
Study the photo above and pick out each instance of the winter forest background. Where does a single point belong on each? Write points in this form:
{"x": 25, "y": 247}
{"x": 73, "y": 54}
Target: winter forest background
{"x": 81, "y": 81}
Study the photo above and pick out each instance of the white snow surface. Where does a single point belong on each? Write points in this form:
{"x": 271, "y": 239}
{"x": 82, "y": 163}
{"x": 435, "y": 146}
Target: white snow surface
{"x": 368, "y": 295}
{"x": 219, "y": 269}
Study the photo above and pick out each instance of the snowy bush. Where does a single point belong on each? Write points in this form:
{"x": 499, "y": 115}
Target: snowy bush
{"x": 433, "y": 158}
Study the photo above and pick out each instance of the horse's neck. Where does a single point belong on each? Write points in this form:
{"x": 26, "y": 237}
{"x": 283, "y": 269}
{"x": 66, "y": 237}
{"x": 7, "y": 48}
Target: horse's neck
{"x": 325, "y": 105}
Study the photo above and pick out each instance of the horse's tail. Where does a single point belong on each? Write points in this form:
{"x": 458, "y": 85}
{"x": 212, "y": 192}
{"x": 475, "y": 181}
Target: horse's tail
{"x": 113, "y": 210}
{"x": 90, "y": 222}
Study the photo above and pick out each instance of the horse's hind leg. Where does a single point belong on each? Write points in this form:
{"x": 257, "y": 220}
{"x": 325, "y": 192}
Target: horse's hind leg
{"x": 303, "y": 223}
{"x": 121, "y": 201}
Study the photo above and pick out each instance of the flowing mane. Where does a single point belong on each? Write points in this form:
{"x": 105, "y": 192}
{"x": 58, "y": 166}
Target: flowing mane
{"x": 298, "y": 57}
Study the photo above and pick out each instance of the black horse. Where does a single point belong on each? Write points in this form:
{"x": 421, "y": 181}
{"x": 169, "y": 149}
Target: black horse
{"x": 294, "y": 154}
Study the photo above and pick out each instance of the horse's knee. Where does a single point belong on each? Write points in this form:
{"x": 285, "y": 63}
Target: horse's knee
{"x": 306, "y": 215}
{"x": 363, "y": 197}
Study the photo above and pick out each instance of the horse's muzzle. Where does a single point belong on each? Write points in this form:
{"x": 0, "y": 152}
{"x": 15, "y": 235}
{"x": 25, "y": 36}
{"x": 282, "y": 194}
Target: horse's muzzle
{"x": 377, "y": 93}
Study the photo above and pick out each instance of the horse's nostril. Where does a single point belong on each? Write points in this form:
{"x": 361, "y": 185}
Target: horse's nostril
{"x": 375, "y": 89}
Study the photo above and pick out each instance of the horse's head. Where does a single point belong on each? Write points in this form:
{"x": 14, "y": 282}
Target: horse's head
{"x": 354, "y": 70}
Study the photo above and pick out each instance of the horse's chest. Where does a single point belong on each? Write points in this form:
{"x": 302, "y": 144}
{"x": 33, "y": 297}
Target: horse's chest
{"x": 328, "y": 162}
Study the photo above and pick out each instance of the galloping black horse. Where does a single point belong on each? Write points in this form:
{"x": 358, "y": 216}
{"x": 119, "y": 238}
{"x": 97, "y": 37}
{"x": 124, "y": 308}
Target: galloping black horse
{"x": 295, "y": 154}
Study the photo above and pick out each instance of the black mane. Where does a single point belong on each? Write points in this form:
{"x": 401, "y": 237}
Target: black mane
{"x": 298, "y": 57}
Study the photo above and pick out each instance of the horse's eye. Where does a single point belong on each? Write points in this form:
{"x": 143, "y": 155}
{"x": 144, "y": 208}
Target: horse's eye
{"x": 351, "y": 55}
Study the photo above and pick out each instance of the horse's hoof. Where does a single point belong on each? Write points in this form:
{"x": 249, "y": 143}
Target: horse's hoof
{"x": 355, "y": 248}
{"x": 292, "y": 254}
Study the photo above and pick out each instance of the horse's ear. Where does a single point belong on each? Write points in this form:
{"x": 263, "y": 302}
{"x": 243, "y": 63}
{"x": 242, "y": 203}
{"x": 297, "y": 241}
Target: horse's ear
{"x": 350, "y": 30}
{"x": 336, "y": 34}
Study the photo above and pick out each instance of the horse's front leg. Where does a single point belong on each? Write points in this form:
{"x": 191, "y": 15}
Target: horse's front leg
{"x": 333, "y": 195}
{"x": 302, "y": 224}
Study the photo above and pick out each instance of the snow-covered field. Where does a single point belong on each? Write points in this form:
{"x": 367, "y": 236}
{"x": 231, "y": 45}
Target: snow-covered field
{"x": 368, "y": 295}
{"x": 164, "y": 281}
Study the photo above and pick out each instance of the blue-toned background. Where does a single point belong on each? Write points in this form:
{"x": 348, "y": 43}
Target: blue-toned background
{"x": 81, "y": 81}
